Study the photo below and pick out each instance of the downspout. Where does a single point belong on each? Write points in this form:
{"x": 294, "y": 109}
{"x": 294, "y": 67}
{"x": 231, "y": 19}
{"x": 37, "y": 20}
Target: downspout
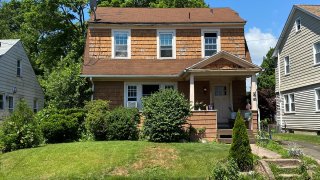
{"x": 258, "y": 110}
{"x": 92, "y": 87}
{"x": 279, "y": 88}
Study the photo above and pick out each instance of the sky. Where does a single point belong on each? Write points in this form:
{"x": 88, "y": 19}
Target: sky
{"x": 265, "y": 21}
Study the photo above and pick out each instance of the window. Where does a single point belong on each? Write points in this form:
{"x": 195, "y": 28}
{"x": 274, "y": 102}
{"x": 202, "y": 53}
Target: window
{"x": 317, "y": 99}
{"x": 286, "y": 65}
{"x": 19, "y": 68}
{"x": 132, "y": 93}
{"x": 1, "y": 102}
{"x": 121, "y": 44}
{"x": 289, "y": 103}
{"x": 220, "y": 91}
{"x": 35, "y": 105}
{"x": 147, "y": 90}
{"x": 10, "y": 104}
{"x": 169, "y": 86}
{"x": 210, "y": 44}
{"x": 298, "y": 24}
{"x": 317, "y": 53}
{"x": 166, "y": 44}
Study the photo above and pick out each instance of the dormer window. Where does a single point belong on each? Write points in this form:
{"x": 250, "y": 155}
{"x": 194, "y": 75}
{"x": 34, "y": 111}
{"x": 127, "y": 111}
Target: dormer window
{"x": 166, "y": 44}
{"x": 121, "y": 45}
{"x": 298, "y": 24}
{"x": 210, "y": 42}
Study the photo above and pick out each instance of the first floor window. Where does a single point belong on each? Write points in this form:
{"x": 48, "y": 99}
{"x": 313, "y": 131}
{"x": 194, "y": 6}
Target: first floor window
{"x": 132, "y": 93}
{"x": 10, "y": 103}
{"x": 1, "y": 101}
{"x": 35, "y": 105}
{"x": 210, "y": 44}
{"x": 289, "y": 103}
{"x": 169, "y": 86}
{"x": 317, "y": 53}
{"x": 318, "y": 99}
{"x": 147, "y": 90}
{"x": 121, "y": 44}
{"x": 220, "y": 91}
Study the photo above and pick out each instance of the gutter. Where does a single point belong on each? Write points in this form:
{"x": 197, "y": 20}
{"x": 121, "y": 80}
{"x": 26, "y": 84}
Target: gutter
{"x": 130, "y": 76}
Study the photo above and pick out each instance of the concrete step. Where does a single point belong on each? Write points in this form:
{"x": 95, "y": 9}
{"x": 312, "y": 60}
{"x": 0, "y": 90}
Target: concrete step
{"x": 284, "y": 162}
{"x": 289, "y": 176}
{"x": 229, "y": 132}
{"x": 289, "y": 167}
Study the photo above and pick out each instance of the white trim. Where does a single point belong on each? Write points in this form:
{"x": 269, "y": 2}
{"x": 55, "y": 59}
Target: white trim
{"x": 314, "y": 53}
{"x": 202, "y": 40}
{"x": 289, "y": 102}
{"x": 296, "y": 25}
{"x": 285, "y": 65}
{"x": 128, "y": 45}
{"x": 316, "y": 98}
{"x": 173, "y": 32}
{"x": 139, "y": 90}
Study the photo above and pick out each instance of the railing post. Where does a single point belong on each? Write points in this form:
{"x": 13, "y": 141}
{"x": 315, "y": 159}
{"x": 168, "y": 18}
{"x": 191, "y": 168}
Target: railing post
{"x": 192, "y": 91}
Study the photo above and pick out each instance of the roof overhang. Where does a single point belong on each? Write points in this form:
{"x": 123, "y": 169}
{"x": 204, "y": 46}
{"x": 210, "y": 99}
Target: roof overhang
{"x": 129, "y": 76}
{"x": 286, "y": 26}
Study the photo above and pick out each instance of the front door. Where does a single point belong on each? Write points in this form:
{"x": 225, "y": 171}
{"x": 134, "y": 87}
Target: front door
{"x": 221, "y": 103}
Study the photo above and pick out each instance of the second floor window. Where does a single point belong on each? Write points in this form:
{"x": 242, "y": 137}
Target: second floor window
{"x": 210, "y": 44}
{"x": 289, "y": 103}
{"x": 317, "y": 53}
{"x": 19, "y": 68}
{"x": 286, "y": 65}
{"x": 121, "y": 44}
{"x": 166, "y": 44}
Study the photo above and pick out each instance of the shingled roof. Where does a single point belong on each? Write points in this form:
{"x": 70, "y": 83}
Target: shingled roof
{"x": 167, "y": 15}
{"x": 314, "y": 9}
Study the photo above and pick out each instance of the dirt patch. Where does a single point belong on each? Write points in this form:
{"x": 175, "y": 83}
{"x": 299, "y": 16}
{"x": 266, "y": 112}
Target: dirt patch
{"x": 119, "y": 171}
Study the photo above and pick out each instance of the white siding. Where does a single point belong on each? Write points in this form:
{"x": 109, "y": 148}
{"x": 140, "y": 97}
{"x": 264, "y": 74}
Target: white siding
{"x": 306, "y": 117}
{"x": 27, "y": 85}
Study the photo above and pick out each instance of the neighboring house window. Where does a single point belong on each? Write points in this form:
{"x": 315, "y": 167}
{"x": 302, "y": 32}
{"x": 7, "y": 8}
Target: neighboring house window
{"x": 121, "y": 44}
{"x": 318, "y": 99}
{"x": 298, "y": 24}
{"x": 35, "y": 105}
{"x": 317, "y": 53}
{"x": 19, "y": 68}
{"x": 1, "y": 102}
{"x": 289, "y": 103}
{"x": 10, "y": 104}
{"x": 166, "y": 44}
{"x": 210, "y": 42}
{"x": 286, "y": 65}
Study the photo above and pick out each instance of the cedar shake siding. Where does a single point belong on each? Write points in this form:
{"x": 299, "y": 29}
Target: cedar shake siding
{"x": 110, "y": 90}
{"x": 233, "y": 41}
{"x": 188, "y": 43}
{"x": 143, "y": 44}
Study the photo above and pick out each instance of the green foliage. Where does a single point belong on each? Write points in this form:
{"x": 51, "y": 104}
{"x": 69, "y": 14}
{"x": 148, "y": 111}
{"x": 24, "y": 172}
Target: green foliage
{"x": 20, "y": 130}
{"x": 274, "y": 146}
{"x": 240, "y": 149}
{"x": 154, "y": 3}
{"x": 123, "y": 124}
{"x": 266, "y": 78}
{"x": 226, "y": 170}
{"x": 165, "y": 112}
{"x": 97, "y": 118}
{"x": 61, "y": 125}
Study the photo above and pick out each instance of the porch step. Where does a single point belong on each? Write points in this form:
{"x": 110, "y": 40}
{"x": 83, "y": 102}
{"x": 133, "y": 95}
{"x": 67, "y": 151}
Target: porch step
{"x": 222, "y": 133}
{"x": 229, "y": 140}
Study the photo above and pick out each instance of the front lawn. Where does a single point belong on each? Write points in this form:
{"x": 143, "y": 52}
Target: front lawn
{"x": 98, "y": 160}
{"x": 313, "y": 139}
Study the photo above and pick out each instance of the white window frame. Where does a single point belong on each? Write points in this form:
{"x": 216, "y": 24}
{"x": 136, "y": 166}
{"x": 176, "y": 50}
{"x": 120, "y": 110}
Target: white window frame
{"x": 296, "y": 25}
{"x": 139, "y": 85}
{"x": 314, "y": 53}
{"x": 113, "y": 31}
{"x": 203, "y": 31}
{"x": 10, "y": 109}
{"x": 289, "y": 103}
{"x": 286, "y": 64}
{"x": 316, "y": 98}
{"x": 173, "y": 32}
{"x": 19, "y": 68}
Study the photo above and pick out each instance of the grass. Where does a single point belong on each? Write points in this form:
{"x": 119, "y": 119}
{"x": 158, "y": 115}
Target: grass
{"x": 113, "y": 159}
{"x": 313, "y": 139}
{"x": 274, "y": 146}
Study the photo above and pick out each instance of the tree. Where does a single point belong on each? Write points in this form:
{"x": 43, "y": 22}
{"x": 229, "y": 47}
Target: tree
{"x": 154, "y": 3}
{"x": 240, "y": 150}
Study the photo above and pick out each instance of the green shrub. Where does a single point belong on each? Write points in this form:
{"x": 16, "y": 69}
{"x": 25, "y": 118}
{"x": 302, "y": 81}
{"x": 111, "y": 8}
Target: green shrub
{"x": 20, "y": 130}
{"x": 226, "y": 170}
{"x": 123, "y": 124}
{"x": 61, "y": 125}
{"x": 165, "y": 112}
{"x": 97, "y": 112}
{"x": 240, "y": 149}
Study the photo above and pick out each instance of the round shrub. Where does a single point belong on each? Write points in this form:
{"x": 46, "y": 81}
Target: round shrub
{"x": 240, "y": 150}
{"x": 20, "y": 130}
{"x": 61, "y": 125}
{"x": 226, "y": 170}
{"x": 97, "y": 112}
{"x": 165, "y": 113}
{"x": 123, "y": 124}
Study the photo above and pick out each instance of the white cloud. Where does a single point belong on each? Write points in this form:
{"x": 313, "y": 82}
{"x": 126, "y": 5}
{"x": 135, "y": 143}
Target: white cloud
{"x": 259, "y": 43}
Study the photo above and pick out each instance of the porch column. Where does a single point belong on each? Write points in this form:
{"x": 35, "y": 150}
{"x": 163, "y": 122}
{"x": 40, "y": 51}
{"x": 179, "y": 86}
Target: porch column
{"x": 254, "y": 93}
{"x": 191, "y": 91}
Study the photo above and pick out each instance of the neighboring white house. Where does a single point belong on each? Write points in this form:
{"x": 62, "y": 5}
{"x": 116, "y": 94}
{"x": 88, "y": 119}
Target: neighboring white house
{"x": 298, "y": 70}
{"x": 17, "y": 78}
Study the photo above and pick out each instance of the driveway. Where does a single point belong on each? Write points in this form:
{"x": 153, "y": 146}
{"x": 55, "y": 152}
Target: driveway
{"x": 307, "y": 148}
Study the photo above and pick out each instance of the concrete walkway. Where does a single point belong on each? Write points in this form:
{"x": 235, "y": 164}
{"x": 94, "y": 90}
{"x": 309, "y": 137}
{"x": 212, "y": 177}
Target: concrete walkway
{"x": 307, "y": 148}
{"x": 264, "y": 153}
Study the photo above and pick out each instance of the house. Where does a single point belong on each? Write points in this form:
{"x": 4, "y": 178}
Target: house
{"x": 201, "y": 52}
{"x": 298, "y": 70}
{"x": 17, "y": 78}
